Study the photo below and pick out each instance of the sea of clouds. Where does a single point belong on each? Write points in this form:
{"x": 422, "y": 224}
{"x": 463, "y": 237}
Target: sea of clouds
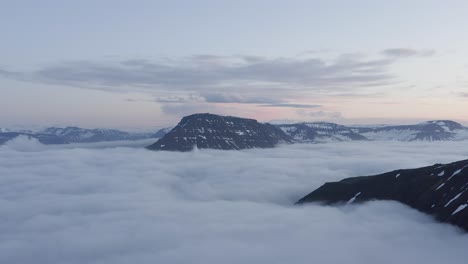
{"x": 120, "y": 203}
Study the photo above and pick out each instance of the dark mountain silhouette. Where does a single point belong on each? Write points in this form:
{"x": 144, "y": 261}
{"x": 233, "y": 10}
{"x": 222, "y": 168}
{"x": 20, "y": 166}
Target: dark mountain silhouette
{"x": 220, "y": 132}
{"x": 439, "y": 190}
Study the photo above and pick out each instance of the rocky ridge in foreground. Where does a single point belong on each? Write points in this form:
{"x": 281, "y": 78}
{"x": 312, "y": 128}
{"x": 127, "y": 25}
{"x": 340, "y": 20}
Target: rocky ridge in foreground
{"x": 438, "y": 190}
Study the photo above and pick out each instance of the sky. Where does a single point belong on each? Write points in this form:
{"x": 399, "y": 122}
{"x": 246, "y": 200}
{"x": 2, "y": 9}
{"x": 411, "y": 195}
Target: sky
{"x": 145, "y": 64}
{"x": 78, "y": 204}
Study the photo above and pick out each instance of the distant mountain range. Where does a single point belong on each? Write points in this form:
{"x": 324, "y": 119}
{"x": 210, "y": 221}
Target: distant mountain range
{"x": 43, "y": 138}
{"x": 439, "y": 130}
{"x": 66, "y": 135}
{"x": 439, "y": 190}
{"x": 227, "y": 132}
{"x": 320, "y": 132}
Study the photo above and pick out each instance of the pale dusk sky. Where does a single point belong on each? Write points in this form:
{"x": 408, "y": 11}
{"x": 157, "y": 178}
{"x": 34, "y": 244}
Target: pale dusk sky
{"x": 145, "y": 64}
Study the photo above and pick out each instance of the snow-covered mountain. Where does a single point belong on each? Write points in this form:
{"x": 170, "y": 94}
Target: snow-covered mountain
{"x": 439, "y": 190}
{"x": 220, "y": 132}
{"x": 83, "y": 135}
{"x": 320, "y": 132}
{"x": 438, "y": 130}
{"x": 41, "y": 137}
{"x": 307, "y": 132}
{"x": 162, "y": 132}
{"x": 59, "y": 135}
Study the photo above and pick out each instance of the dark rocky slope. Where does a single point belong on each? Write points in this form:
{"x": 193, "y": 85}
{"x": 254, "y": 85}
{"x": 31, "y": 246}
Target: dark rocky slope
{"x": 439, "y": 190}
{"x": 220, "y": 132}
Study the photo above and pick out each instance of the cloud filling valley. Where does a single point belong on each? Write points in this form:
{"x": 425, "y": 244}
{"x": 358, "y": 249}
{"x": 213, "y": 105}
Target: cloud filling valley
{"x": 112, "y": 204}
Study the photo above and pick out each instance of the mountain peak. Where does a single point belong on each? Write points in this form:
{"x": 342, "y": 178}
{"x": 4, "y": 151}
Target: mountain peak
{"x": 447, "y": 125}
{"x": 220, "y": 132}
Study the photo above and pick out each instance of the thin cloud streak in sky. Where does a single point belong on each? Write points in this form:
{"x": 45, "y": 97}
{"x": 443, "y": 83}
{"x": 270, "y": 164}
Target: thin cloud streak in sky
{"x": 233, "y": 84}
{"x": 234, "y": 98}
{"x": 403, "y": 52}
{"x": 292, "y": 105}
{"x": 320, "y": 114}
{"x": 124, "y": 205}
{"x": 216, "y": 74}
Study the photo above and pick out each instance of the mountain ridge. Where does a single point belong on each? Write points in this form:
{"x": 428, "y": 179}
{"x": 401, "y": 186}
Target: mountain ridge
{"x": 73, "y": 134}
{"x": 319, "y": 132}
{"x": 440, "y": 190}
{"x": 302, "y": 132}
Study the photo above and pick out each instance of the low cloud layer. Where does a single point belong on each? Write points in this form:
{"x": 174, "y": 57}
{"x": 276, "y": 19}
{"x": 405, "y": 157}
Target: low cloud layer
{"x": 129, "y": 205}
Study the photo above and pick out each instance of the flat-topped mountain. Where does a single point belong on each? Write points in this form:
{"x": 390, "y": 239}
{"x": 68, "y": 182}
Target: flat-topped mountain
{"x": 220, "y": 132}
{"x": 439, "y": 190}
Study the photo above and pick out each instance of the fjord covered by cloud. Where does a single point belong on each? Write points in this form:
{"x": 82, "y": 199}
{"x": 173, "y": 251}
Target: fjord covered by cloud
{"x": 68, "y": 67}
{"x": 117, "y": 204}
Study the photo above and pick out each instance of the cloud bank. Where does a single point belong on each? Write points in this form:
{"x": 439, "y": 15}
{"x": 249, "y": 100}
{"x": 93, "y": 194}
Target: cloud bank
{"x": 129, "y": 205}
